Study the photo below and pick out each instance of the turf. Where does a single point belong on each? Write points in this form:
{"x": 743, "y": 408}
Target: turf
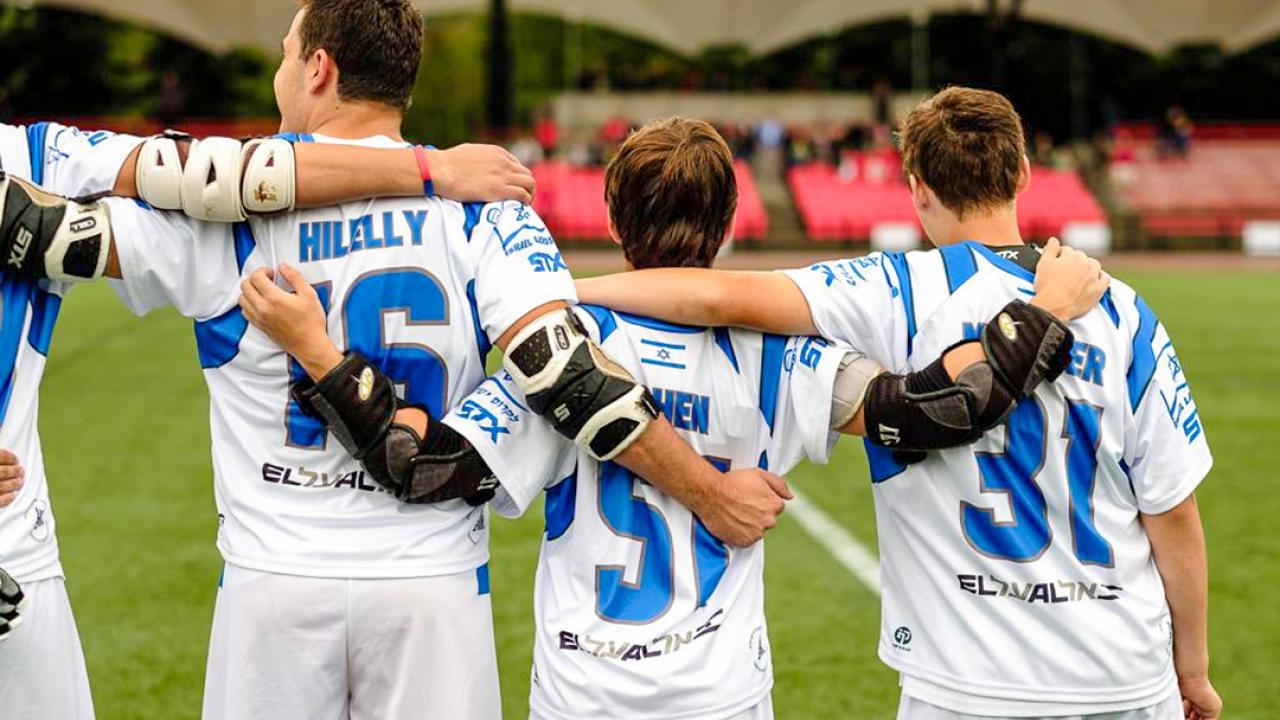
{"x": 124, "y": 422}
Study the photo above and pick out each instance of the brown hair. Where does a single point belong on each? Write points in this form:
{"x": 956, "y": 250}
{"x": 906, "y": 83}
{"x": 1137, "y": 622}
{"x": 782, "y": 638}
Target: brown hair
{"x": 376, "y": 44}
{"x": 967, "y": 145}
{"x": 672, "y": 194}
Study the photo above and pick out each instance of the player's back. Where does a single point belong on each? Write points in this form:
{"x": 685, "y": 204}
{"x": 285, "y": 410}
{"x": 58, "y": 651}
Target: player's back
{"x": 1017, "y": 569}
{"x": 418, "y": 286}
{"x": 640, "y": 612}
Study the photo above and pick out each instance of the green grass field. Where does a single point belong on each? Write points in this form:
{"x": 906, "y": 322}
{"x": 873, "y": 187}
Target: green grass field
{"x": 125, "y": 429}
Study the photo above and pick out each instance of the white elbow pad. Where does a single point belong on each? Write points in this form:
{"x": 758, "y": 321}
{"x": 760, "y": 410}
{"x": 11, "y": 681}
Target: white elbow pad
{"x": 211, "y": 181}
{"x": 270, "y": 176}
{"x": 853, "y": 379}
{"x": 158, "y": 175}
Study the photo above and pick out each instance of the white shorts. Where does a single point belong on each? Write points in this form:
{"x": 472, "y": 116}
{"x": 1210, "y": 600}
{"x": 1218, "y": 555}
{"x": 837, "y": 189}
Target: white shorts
{"x": 763, "y": 711}
{"x": 286, "y": 647}
{"x": 910, "y": 708}
{"x": 42, "y": 673}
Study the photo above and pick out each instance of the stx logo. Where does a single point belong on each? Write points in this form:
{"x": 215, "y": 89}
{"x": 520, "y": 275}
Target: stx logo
{"x": 487, "y": 421}
{"x": 21, "y": 244}
{"x": 547, "y": 262}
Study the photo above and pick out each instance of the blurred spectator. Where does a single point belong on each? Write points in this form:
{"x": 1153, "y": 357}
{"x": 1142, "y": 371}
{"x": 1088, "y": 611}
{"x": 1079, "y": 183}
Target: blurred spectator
{"x": 612, "y": 133}
{"x": 528, "y": 151}
{"x": 1123, "y": 157}
{"x": 170, "y": 100}
{"x": 547, "y": 132}
{"x": 882, "y": 101}
{"x": 1174, "y": 139}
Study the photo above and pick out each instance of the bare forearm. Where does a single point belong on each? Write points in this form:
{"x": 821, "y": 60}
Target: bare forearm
{"x": 1177, "y": 540}
{"x": 765, "y": 301}
{"x": 660, "y": 457}
{"x": 332, "y": 174}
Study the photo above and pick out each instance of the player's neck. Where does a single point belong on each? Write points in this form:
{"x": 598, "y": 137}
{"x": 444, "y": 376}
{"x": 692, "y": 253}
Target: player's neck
{"x": 353, "y": 121}
{"x": 998, "y": 229}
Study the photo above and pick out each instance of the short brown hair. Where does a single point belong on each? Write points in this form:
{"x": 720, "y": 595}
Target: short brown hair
{"x": 967, "y": 145}
{"x": 376, "y": 44}
{"x": 672, "y": 194}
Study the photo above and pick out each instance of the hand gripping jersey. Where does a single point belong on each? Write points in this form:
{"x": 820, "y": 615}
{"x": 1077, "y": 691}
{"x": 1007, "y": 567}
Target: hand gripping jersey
{"x": 69, "y": 162}
{"x": 1017, "y": 577}
{"x": 420, "y": 286}
{"x": 639, "y": 611}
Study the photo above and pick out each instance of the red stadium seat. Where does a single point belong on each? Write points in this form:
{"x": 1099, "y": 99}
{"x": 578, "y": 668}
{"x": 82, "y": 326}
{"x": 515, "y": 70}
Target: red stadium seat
{"x": 839, "y": 209}
{"x": 571, "y": 201}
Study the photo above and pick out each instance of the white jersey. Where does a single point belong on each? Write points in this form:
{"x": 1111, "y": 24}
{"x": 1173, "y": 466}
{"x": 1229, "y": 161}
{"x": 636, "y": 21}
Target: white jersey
{"x": 69, "y": 162}
{"x": 1017, "y": 576}
{"x": 419, "y": 286}
{"x": 639, "y": 611}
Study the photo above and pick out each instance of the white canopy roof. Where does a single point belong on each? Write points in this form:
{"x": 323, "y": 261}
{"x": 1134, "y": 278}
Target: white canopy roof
{"x": 760, "y": 25}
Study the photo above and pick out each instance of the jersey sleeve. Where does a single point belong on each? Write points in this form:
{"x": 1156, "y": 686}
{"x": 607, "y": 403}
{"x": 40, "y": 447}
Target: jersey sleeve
{"x": 518, "y": 266}
{"x": 1166, "y": 451}
{"x": 71, "y": 162}
{"x": 862, "y": 302}
{"x": 169, "y": 259}
{"x": 801, "y": 418}
{"x": 521, "y": 448}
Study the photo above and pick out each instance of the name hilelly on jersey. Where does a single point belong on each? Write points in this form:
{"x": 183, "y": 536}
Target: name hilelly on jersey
{"x": 639, "y": 611}
{"x": 420, "y": 286}
{"x": 1016, "y": 574}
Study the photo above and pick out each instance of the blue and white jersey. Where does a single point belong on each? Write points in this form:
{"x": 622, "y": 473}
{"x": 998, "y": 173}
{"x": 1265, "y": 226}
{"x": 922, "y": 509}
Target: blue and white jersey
{"x": 419, "y": 286}
{"x": 68, "y": 162}
{"x": 1017, "y": 577}
{"x": 639, "y": 611}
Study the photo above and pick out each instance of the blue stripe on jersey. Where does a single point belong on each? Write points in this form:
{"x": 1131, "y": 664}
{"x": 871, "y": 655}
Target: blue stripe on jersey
{"x": 482, "y": 579}
{"x": 561, "y": 504}
{"x": 297, "y": 137}
{"x": 35, "y": 146}
{"x": 472, "y": 212}
{"x": 724, "y": 341}
{"x": 15, "y": 294}
{"x": 244, "y": 243}
{"x": 218, "y": 339}
{"x": 655, "y": 343}
{"x": 882, "y": 462}
{"x": 1109, "y": 304}
{"x": 44, "y": 313}
{"x": 711, "y": 557}
{"x": 958, "y": 263}
{"x": 1142, "y": 363}
{"x": 604, "y": 319}
{"x": 655, "y": 324}
{"x": 903, "y": 271}
{"x": 483, "y": 346}
{"x": 1008, "y": 266}
{"x": 771, "y": 357}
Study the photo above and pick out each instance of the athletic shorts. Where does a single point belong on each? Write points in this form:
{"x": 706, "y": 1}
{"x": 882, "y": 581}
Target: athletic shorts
{"x": 42, "y": 673}
{"x": 287, "y": 647}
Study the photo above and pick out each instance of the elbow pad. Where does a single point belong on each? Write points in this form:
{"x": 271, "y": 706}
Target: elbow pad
{"x": 46, "y": 236}
{"x": 358, "y": 404}
{"x": 925, "y": 410}
{"x": 1026, "y": 345}
{"x": 221, "y": 180}
{"x": 569, "y": 380}
{"x": 853, "y": 382}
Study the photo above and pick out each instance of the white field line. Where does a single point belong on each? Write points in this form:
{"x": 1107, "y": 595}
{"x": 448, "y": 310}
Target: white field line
{"x": 842, "y": 545}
